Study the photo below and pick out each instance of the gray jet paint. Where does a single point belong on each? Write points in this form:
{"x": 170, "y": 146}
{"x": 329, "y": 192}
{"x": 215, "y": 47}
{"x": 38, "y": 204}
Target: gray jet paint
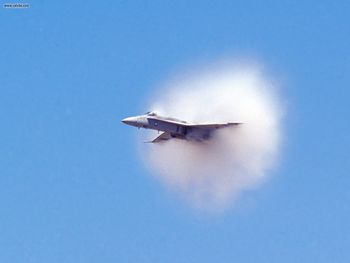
{"x": 174, "y": 128}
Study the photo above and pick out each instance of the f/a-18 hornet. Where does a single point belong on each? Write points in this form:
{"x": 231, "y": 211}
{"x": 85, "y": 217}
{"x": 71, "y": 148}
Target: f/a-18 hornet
{"x": 174, "y": 128}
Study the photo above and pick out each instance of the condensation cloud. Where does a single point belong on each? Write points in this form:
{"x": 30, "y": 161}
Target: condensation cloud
{"x": 211, "y": 175}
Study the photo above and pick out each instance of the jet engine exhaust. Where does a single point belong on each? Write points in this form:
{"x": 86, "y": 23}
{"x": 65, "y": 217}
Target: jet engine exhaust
{"x": 212, "y": 174}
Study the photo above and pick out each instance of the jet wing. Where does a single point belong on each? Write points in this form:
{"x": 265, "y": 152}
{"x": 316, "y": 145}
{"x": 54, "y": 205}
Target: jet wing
{"x": 163, "y": 137}
{"x": 214, "y": 126}
{"x": 173, "y": 124}
{"x": 184, "y": 130}
{"x": 198, "y": 130}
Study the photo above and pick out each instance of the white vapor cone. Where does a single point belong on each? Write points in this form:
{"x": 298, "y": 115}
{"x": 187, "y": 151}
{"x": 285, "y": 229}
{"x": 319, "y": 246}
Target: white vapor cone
{"x": 213, "y": 173}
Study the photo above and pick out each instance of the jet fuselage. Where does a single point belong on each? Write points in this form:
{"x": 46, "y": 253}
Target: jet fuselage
{"x": 174, "y": 128}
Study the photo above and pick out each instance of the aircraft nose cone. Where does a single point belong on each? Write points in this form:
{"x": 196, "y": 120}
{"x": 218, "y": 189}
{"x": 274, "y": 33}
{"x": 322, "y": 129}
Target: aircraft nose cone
{"x": 129, "y": 121}
{"x": 126, "y": 120}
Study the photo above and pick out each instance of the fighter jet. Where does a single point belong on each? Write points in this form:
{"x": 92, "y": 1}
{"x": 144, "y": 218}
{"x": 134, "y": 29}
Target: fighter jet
{"x": 174, "y": 128}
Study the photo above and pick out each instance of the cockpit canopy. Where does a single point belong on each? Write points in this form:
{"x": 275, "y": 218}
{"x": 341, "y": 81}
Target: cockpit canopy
{"x": 151, "y": 113}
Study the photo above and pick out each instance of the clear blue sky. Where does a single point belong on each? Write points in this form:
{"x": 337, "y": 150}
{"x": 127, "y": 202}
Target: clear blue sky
{"x": 72, "y": 186}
